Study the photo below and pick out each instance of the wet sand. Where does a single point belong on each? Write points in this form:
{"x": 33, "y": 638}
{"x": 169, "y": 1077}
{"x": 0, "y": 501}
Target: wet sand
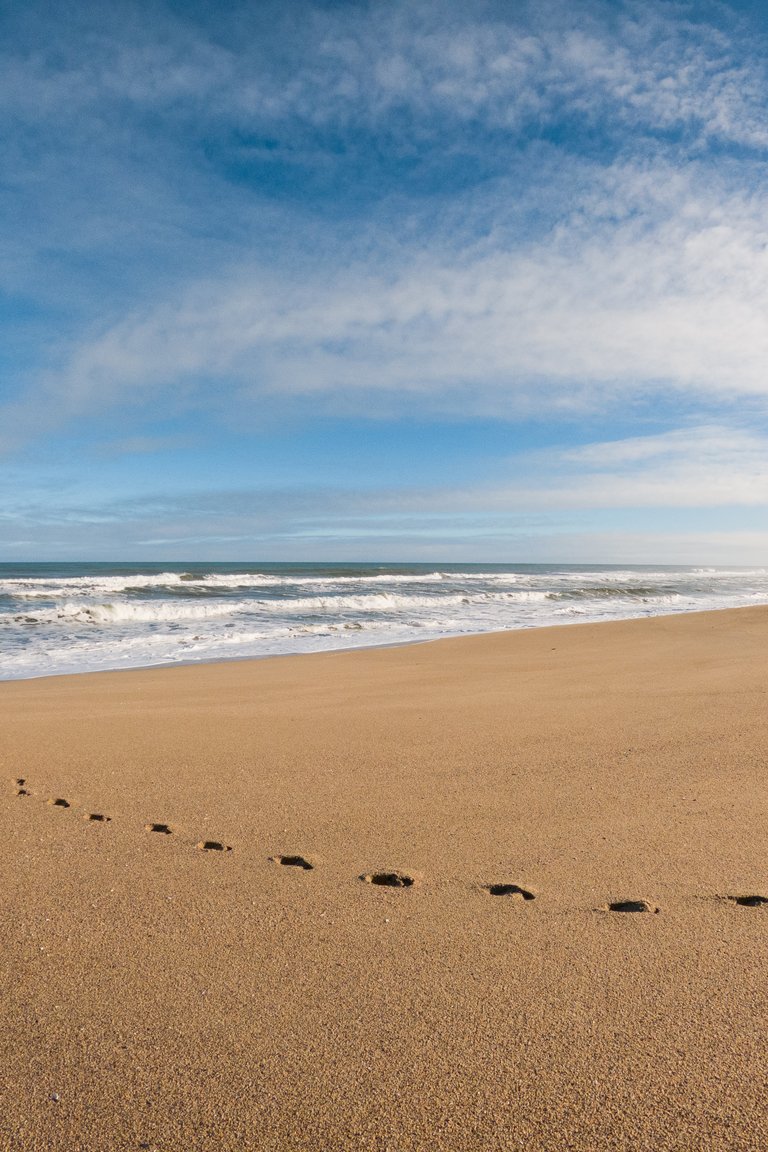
{"x": 159, "y": 993}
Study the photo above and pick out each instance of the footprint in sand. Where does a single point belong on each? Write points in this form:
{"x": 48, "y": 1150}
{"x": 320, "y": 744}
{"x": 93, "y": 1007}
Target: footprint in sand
{"x": 389, "y": 879}
{"x": 59, "y": 802}
{"x": 163, "y": 829}
{"x": 751, "y": 901}
{"x": 630, "y": 906}
{"x": 294, "y": 862}
{"x": 97, "y": 818}
{"x": 213, "y": 846}
{"x": 512, "y": 890}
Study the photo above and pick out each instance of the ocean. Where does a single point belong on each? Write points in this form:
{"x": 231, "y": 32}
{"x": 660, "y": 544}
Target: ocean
{"x": 65, "y": 618}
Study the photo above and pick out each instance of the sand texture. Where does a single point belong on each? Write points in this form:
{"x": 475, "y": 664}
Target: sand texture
{"x": 160, "y": 991}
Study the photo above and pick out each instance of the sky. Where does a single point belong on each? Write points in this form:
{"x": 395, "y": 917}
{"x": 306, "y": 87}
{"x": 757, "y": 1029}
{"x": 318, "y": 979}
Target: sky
{"x": 396, "y": 280}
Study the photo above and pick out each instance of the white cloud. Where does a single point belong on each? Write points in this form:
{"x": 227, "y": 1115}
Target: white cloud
{"x": 653, "y": 280}
{"x": 707, "y": 467}
{"x": 667, "y": 300}
{"x": 504, "y": 67}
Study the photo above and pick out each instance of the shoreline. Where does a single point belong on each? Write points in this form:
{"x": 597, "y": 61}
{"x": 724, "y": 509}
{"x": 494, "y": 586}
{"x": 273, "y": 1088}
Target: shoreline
{"x": 199, "y": 951}
{"x": 205, "y": 662}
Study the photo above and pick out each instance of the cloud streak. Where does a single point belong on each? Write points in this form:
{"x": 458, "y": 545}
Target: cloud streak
{"x": 708, "y": 468}
{"x": 669, "y": 296}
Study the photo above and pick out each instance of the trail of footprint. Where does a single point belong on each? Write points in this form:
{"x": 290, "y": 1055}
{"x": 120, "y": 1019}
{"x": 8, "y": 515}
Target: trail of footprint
{"x": 393, "y": 879}
{"x": 389, "y": 879}
{"x": 102, "y": 818}
{"x": 60, "y": 802}
{"x": 202, "y": 845}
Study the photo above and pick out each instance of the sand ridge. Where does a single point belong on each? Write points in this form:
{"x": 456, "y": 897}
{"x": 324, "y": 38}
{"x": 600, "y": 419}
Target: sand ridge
{"x": 210, "y": 941}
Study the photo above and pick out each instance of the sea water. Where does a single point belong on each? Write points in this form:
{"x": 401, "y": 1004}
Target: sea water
{"x": 57, "y": 618}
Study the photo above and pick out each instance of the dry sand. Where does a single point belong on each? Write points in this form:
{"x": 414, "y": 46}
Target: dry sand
{"x": 158, "y": 995}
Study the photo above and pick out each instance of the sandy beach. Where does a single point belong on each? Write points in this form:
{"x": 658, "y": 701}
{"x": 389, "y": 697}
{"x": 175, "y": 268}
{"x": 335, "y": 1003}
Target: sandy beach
{"x": 196, "y": 955}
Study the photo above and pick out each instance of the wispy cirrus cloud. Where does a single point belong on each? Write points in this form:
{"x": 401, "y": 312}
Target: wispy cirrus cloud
{"x": 648, "y": 64}
{"x": 404, "y": 213}
{"x": 697, "y": 467}
{"x": 636, "y": 292}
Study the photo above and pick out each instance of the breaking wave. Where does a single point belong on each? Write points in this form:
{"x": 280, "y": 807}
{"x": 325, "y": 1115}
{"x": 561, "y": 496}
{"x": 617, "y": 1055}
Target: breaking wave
{"x": 84, "y": 617}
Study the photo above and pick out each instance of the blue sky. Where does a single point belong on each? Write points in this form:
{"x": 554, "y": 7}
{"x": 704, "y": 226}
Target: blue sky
{"x": 393, "y": 280}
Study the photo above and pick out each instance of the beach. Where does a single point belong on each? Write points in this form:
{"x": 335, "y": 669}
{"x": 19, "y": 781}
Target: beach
{"x": 212, "y": 964}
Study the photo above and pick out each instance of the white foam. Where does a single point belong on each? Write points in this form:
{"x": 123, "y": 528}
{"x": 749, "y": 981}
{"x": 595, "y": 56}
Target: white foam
{"x": 68, "y": 623}
{"x": 121, "y": 613}
{"x": 50, "y": 588}
{"x": 171, "y": 610}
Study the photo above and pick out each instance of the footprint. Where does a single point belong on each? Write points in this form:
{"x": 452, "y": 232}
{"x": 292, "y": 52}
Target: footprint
{"x": 752, "y": 901}
{"x": 389, "y": 879}
{"x": 20, "y": 781}
{"x": 513, "y": 890}
{"x": 213, "y": 846}
{"x": 294, "y": 862}
{"x": 630, "y": 906}
{"x": 165, "y": 829}
{"x": 23, "y": 792}
{"x": 58, "y": 802}
{"x": 97, "y": 817}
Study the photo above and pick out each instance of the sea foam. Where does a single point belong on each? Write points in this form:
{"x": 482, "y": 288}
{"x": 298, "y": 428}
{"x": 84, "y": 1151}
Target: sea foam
{"x": 81, "y": 617}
